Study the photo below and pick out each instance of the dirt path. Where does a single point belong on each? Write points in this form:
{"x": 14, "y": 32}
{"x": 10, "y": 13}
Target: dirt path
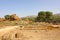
{"x": 41, "y": 34}
{"x": 53, "y": 34}
{"x": 8, "y": 29}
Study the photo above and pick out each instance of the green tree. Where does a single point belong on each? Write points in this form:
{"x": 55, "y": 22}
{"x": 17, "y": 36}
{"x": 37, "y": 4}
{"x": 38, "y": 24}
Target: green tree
{"x": 7, "y": 17}
{"x": 41, "y": 16}
{"x": 49, "y": 16}
{"x": 45, "y": 16}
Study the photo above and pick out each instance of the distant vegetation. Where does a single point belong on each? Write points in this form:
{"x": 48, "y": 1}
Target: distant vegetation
{"x": 11, "y": 17}
{"x": 43, "y": 16}
{"x": 30, "y": 18}
{"x": 48, "y": 17}
{"x": 7, "y": 17}
{"x": 56, "y": 19}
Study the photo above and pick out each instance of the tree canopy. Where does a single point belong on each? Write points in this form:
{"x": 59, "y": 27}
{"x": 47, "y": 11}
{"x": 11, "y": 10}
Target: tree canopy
{"x": 44, "y": 16}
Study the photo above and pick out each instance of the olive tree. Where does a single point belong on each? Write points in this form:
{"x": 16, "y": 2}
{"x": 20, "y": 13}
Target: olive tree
{"x": 44, "y": 16}
{"x": 41, "y": 16}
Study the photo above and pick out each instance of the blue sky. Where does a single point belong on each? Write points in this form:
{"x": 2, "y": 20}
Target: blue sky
{"x": 28, "y": 7}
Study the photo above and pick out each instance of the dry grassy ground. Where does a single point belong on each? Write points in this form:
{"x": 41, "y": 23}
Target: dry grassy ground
{"x": 28, "y": 31}
{"x": 18, "y": 33}
{"x": 41, "y": 35}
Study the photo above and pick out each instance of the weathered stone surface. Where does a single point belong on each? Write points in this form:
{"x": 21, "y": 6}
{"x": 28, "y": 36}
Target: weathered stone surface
{"x": 14, "y": 17}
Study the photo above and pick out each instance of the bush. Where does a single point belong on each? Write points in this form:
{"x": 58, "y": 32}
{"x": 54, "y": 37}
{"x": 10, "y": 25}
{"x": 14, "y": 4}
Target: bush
{"x": 7, "y": 17}
{"x": 56, "y": 19}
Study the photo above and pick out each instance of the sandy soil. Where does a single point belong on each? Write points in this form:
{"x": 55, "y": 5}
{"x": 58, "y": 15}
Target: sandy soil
{"x": 41, "y": 34}
{"x": 53, "y": 34}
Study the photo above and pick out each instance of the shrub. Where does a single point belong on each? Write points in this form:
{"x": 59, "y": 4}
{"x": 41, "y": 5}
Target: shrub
{"x": 7, "y": 17}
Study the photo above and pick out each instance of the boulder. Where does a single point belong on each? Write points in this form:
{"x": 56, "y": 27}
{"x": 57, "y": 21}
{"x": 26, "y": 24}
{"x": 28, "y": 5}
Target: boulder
{"x": 14, "y": 17}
